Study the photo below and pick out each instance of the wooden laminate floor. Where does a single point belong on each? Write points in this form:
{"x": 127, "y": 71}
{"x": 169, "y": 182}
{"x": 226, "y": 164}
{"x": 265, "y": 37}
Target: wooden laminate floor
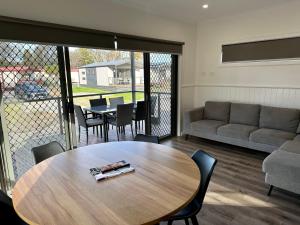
{"x": 237, "y": 193}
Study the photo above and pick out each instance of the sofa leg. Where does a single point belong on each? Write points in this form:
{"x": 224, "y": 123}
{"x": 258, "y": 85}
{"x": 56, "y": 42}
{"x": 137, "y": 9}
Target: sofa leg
{"x": 186, "y": 137}
{"x": 270, "y": 190}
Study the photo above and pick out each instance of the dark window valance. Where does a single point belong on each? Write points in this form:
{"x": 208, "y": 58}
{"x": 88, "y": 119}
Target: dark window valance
{"x": 21, "y": 30}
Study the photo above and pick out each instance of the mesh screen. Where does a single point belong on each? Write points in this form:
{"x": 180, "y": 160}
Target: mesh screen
{"x": 31, "y": 106}
{"x": 160, "y": 89}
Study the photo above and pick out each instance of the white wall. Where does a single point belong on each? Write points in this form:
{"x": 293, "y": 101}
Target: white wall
{"x": 271, "y": 83}
{"x": 104, "y": 74}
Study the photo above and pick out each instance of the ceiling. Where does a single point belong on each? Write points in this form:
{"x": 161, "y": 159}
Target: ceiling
{"x": 191, "y": 10}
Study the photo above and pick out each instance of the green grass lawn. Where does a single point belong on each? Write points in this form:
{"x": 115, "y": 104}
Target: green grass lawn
{"x": 84, "y": 101}
{"x": 82, "y": 90}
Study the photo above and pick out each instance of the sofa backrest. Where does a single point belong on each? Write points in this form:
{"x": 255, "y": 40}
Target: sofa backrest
{"x": 247, "y": 114}
{"x": 279, "y": 118}
{"x": 217, "y": 111}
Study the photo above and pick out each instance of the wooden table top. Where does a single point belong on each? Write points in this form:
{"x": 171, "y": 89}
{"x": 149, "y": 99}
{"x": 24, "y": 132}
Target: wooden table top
{"x": 60, "y": 190}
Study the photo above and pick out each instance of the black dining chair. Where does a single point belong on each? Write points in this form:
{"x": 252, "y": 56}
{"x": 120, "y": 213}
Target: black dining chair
{"x": 206, "y": 164}
{"x": 147, "y": 138}
{"x": 98, "y": 102}
{"x": 86, "y": 123}
{"x": 7, "y": 213}
{"x": 113, "y": 102}
{"x": 95, "y": 103}
{"x": 43, "y": 152}
{"x": 139, "y": 114}
{"x": 122, "y": 118}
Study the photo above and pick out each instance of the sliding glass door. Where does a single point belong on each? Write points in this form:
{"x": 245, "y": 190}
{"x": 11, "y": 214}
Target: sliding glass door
{"x": 161, "y": 93}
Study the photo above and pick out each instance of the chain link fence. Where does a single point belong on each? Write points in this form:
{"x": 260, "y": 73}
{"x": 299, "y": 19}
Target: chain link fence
{"x": 31, "y": 107}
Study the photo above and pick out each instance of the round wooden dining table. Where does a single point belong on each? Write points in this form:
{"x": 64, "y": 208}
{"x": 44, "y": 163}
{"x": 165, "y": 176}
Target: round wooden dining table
{"x": 61, "y": 190}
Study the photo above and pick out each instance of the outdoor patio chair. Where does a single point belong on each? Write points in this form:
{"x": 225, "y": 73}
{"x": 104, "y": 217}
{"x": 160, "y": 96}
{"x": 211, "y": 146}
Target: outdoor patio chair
{"x": 116, "y": 101}
{"x": 122, "y": 118}
{"x": 139, "y": 115}
{"x": 87, "y": 122}
{"x": 43, "y": 152}
{"x": 98, "y": 102}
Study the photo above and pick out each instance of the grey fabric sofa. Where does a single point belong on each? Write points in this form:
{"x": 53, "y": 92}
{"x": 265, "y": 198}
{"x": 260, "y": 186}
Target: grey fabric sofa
{"x": 270, "y": 129}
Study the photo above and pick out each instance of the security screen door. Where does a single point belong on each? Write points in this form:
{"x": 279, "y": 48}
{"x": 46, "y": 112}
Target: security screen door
{"x": 161, "y": 93}
{"x": 32, "y": 107}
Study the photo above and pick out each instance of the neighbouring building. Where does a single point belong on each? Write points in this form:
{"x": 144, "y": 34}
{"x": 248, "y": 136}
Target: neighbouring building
{"x": 10, "y": 75}
{"x": 116, "y": 72}
{"x": 75, "y": 75}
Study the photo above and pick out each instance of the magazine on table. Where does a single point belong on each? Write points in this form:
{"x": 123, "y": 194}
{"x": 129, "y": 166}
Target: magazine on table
{"x": 111, "y": 170}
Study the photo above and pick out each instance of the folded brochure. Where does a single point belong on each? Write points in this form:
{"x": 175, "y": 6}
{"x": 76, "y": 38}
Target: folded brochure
{"x": 111, "y": 170}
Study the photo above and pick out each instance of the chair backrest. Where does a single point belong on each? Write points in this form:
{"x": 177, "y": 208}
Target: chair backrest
{"x": 98, "y": 102}
{"x": 116, "y": 101}
{"x": 140, "y": 113}
{"x": 206, "y": 164}
{"x": 147, "y": 138}
{"x": 43, "y": 152}
{"x": 124, "y": 114}
{"x": 7, "y": 212}
{"x": 80, "y": 116}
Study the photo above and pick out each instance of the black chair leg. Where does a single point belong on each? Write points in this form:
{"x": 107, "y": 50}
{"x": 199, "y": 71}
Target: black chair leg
{"x": 101, "y": 135}
{"x": 194, "y": 220}
{"x": 186, "y": 137}
{"x": 87, "y": 135}
{"x": 97, "y": 131}
{"x": 135, "y": 125}
{"x": 186, "y": 221}
{"x": 131, "y": 131}
{"x": 170, "y": 222}
{"x": 270, "y": 190}
{"x": 78, "y": 133}
{"x": 117, "y": 128}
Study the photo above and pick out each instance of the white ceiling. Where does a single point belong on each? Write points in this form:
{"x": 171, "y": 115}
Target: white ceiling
{"x": 191, "y": 10}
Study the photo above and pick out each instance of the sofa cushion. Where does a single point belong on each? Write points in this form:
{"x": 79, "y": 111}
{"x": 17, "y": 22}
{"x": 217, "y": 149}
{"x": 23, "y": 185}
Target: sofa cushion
{"x": 286, "y": 167}
{"x": 207, "y": 126}
{"x": 291, "y": 146}
{"x": 247, "y": 114}
{"x": 279, "y": 118}
{"x": 217, "y": 111}
{"x": 271, "y": 137}
{"x": 238, "y": 131}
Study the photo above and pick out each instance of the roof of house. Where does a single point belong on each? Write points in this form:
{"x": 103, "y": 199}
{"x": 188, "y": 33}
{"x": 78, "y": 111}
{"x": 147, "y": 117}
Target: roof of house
{"x": 108, "y": 63}
{"x": 18, "y": 69}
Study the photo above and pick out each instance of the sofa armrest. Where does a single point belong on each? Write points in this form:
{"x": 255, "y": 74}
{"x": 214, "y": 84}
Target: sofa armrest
{"x": 192, "y": 116}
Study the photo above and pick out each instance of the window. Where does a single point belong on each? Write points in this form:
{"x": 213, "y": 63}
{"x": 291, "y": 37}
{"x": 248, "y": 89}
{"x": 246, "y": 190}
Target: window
{"x": 287, "y": 48}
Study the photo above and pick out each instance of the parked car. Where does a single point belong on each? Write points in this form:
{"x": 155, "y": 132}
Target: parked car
{"x": 30, "y": 90}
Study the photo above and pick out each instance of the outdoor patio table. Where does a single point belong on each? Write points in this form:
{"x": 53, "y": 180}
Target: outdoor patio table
{"x": 61, "y": 190}
{"x": 103, "y": 110}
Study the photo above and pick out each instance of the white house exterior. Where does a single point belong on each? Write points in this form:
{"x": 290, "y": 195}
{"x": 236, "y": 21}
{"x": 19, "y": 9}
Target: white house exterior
{"x": 75, "y": 75}
{"x": 117, "y": 72}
